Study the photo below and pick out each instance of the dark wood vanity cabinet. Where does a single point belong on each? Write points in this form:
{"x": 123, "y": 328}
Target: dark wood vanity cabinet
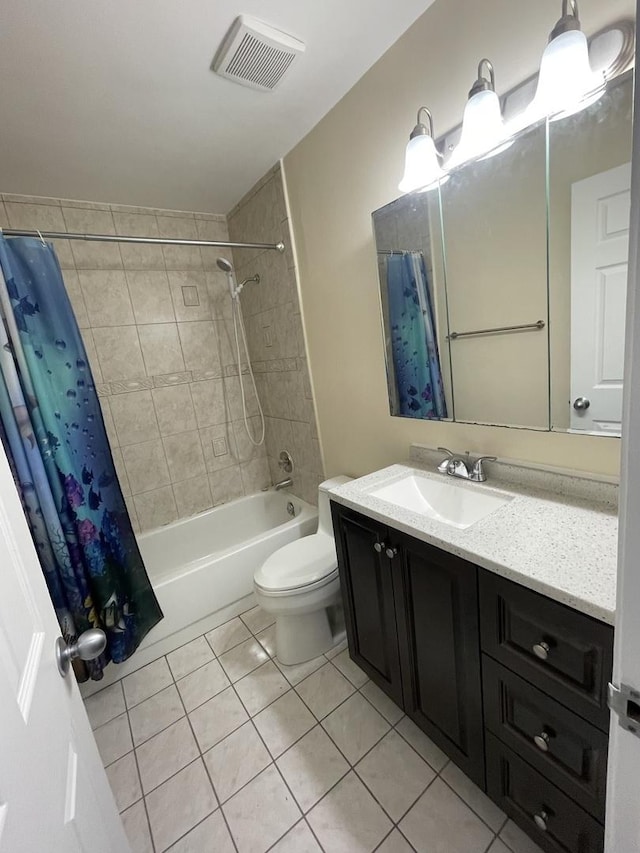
{"x": 509, "y": 683}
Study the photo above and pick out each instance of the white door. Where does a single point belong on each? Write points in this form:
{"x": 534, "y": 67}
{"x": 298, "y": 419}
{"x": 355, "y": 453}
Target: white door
{"x": 54, "y": 794}
{"x": 600, "y": 207}
{"x": 623, "y": 814}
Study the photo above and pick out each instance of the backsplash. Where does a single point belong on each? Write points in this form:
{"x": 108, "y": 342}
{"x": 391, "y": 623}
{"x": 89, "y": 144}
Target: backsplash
{"x": 275, "y": 334}
{"x": 156, "y": 325}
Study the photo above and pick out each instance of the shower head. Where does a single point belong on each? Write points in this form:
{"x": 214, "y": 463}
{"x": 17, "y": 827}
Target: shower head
{"x": 224, "y": 265}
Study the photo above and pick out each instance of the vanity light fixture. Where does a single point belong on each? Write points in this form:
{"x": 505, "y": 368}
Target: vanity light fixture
{"x": 422, "y": 170}
{"x": 483, "y": 129}
{"x": 566, "y": 82}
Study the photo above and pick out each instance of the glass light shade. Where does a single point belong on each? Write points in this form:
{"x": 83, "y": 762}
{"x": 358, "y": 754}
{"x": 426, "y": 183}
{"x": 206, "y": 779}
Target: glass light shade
{"x": 483, "y": 130}
{"x": 566, "y": 83}
{"x": 421, "y": 167}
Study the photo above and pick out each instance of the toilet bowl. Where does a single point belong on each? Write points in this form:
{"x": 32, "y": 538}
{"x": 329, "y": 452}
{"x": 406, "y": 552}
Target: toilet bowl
{"x": 299, "y": 585}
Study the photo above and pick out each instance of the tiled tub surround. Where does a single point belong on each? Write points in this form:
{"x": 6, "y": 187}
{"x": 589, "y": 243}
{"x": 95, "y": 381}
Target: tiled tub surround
{"x": 216, "y": 748}
{"x": 156, "y": 324}
{"x": 276, "y": 335}
{"x": 562, "y": 546}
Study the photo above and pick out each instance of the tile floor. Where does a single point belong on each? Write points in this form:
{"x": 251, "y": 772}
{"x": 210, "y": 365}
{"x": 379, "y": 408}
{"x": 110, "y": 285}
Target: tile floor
{"x": 216, "y": 748}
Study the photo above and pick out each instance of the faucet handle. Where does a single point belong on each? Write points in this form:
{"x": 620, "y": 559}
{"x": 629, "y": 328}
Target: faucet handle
{"x": 443, "y": 467}
{"x": 447, "y": 451}
{"x": 477, "y": 472}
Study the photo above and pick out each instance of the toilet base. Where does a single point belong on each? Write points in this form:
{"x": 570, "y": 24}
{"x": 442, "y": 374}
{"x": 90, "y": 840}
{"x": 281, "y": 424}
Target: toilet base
{"x": 307, "y": 636}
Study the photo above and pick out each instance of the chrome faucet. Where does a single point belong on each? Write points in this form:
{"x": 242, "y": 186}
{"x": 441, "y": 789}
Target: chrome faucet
{"x": 283, "y": 484}
{"x": 464, "y": 467}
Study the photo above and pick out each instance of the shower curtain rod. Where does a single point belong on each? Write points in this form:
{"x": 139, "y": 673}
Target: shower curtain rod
{"x": 114, "y": 238}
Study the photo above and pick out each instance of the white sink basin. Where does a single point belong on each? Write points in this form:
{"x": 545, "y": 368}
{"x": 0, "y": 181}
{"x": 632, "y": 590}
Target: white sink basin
{"x": 441, "y": 499}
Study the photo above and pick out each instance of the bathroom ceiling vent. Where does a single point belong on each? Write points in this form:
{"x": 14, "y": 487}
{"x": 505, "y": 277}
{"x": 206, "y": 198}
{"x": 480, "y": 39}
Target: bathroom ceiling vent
{"x": 255, "y": 54}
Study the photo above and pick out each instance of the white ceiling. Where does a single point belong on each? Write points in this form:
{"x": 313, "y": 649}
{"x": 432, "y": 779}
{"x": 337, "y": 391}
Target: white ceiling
{"x": 114, "y": 100}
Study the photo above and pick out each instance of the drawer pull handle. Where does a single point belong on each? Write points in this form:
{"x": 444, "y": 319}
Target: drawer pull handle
{"x": 540, "y": 820}
{"x": 391, "y": 553}
{"x": 379, "y": 547}
{"x": 541, "y": 650}
{"x": 542, "y": 741}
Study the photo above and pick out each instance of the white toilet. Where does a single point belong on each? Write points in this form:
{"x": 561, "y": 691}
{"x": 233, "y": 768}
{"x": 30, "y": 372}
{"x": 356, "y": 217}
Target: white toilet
{"x": 299, "y": 585}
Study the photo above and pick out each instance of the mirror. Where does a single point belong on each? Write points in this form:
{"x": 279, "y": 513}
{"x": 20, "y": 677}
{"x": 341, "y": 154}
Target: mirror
{"x": 506, "y": 286}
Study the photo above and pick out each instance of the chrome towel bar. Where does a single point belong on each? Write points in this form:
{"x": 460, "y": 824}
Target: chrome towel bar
{"x": 538, "y": 325}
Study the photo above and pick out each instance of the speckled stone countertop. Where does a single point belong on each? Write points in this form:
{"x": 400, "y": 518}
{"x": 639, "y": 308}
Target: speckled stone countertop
{"x": 561, "y": 546}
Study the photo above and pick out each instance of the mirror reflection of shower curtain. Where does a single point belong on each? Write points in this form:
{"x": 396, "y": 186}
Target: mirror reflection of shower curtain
{"x": 414, "y": 345}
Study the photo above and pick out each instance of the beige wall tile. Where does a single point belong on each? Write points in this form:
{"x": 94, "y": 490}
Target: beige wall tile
{"x": 255, "y": 475}
{"x": 219, "y": 447}
{"x": 134, "y": 417}
{"x": 150, "y": 296}
{"x": 182, "y": 257}
{"x": 135, "y": 224}
{"x": 212, "y": 229}
{"x": 226, "y": 485}
{"x": 92, "y": 355}
{"x": 119, "y": 352}
{"x": 86, "y": 221}
{"x": 141, "y": 256}
{"x": 184, "y": 456}
{"x": 199, "y": 345}
{"x": 174, "y": 409}
{"x": 96, "y": 256}
{"x": 246, "y": 448}
{"x": 156, "y": 508}
{"x": 179, "y": 226}
{"x": 106, "y": 296}
{"x": 193, "y": 496}
{"x": 43, "y": 217}
{"x": 161, "y": 348}
{"x": 64, "y": 254}
{"x": 121, "y": 471}
{"x": 133, "y": 513}
{"x": 209, "y": 402}
{"x": 219, "y": 297}
{"x": 185, "y": 285}
{"x": 74, "y": 291}
{"x": 109, "y": 425}
{"x": 146, "y": 466}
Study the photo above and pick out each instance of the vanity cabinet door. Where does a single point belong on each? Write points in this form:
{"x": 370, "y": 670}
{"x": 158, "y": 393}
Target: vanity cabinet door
{"x": 368, "y": 597}
{"x": 437, "y": 614}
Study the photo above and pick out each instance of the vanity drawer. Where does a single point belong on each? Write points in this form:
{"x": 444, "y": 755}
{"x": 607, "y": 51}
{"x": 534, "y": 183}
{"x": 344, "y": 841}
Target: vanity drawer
{"x": 565, "y": 653}
{"x": 553, "y": 820}
{"x": 569, "y": 751}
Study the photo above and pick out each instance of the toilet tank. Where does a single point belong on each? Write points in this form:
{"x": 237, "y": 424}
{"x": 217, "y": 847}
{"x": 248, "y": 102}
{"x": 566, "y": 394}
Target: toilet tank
{"x": 324, "y": 509}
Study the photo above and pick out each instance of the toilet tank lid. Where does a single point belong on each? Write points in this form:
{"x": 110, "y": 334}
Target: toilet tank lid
{"x": 299, "y": 563}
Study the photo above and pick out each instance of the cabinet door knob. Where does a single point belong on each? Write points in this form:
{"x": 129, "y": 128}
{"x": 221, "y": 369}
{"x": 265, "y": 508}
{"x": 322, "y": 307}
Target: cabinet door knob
{"x": 542, "y": 741}
{"x": 541, "y": 820}
{"x": 391, "y": 553}
{"x": 379, "y": 547}
{"x": 541, "y": 650}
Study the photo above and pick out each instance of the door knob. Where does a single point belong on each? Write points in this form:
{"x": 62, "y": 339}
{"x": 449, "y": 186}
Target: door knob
{"x": 541, "y": 650}
{"x": 542, "y": 741}
{"x": 89, "y": 645}
{"x": 379, "y": 547}
{"x": 581, "y": 404}
{"x": 541, "y": 820}
{"x": 391, "y": 553}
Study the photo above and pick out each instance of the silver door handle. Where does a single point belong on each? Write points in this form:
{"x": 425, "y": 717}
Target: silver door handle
{"x": 89, "y": 645}
{"x": 581, "y": 404}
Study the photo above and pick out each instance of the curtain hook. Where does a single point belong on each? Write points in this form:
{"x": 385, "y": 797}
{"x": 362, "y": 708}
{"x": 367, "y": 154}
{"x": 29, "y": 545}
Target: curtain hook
{"x": 39, "y": 233}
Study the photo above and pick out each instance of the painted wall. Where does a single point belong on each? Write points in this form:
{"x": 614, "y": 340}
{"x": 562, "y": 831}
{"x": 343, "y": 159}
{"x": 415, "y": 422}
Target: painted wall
{"x": 350, "y": 165}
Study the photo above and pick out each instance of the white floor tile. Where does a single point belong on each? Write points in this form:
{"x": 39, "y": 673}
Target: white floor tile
{"x": 499, "y": 847}
{"x": 324, "y": 690}
{"x": 348, "y": 819}
{"x": 228, "y": 636}
{"x": 297, "y": 672}
{"x": 146, "y": 681}
{"x": 340, "y": 647}
{"x": 485, "y": 808}
{"x": 125, "y": 782}
{"x": 395, "y": 842}
{"x": 105, "y": 705}
{"x": 261, "y": 687}
{"x": 179, "y": 804}
{"x": 516, "y": 840}
{"x": 298, "y": 840}
{"x": 243, "y": 659}
{"x": 395, "y": 774}
{"x": 441, "y": 823}
{"x": 382, "y": 703}
{"x": 189, "y": 657}
{"x": 154, "y": 714}
{"x": 202, "y": 684}
{"x": 350, "y": 669}
{"x": 284, "y": 722}
{"x": 311, "y": 767}
{"x": 257, "y": 619}
{"x": 267, "y": 640}
{"x": 261, "y": 812}
{"x": 114, "y": 739}
{"x": 355, "y": 726}
{"x": 136, "y": 827}
{"x": 165, "y": 754}
{"x": 210, "y": 836}
{"x": 432, "y": 754}
{"x": 236, "y": 760}
{"x": 217, "y": 718}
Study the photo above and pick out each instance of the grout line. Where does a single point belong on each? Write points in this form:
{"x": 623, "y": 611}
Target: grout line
{"x": 144, "y": 799}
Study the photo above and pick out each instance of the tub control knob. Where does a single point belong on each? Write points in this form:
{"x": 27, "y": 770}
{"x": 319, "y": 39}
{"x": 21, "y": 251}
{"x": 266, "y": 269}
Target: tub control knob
{"x": 541, "y": 650}
{"x": 379, "y": 547}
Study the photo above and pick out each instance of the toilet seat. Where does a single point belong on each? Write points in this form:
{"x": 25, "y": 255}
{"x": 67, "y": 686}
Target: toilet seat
{"x": 306, "y": 564}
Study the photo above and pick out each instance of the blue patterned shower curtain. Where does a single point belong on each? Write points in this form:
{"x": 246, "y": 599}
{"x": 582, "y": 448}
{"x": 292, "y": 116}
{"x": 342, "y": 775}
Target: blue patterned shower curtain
{"x": 52, "y": 430}
{"x": 416, "y": 362}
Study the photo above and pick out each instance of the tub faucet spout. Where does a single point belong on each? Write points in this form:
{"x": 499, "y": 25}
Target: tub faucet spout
{"x": 283, "y": 484}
